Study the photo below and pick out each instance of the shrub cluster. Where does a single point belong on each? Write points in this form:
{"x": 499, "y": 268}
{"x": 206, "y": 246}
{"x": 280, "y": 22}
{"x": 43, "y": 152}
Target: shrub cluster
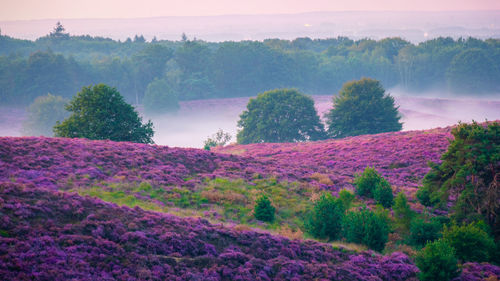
{"x": 371, "y": 184}
{"x": 264, "y": 211}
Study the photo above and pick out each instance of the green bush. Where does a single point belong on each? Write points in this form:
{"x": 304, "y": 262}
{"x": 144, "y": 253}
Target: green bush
{"x": 402, "y": 211}
{"x": 371, "y": 184}
{"x": 423, "y": 196}
{"x": 423, "y": 231}
{"x": 437, "y": 262}
{"x": 346, "y": 197}
{"x": 383, "y": 194}
{"x": 366, "y": 227}
{"x": 263, "y": 210}
{"x": 470, "y": 242}
{"x": 325, "y": 220}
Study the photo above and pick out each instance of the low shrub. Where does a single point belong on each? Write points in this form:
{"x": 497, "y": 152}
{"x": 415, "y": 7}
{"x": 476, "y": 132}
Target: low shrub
{"x": 264, "y": 211}
{"x": 423, "y": 231}
{"x": 437, "y": 262}
{"x": 371, "y": 184}
{"x": 470, "y": 242}
{"x": 325, "y": 221}
{"x": 366, "y": 227}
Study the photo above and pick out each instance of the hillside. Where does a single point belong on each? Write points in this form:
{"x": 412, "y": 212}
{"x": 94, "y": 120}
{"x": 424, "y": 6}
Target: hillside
{"x": 165, "y": 213}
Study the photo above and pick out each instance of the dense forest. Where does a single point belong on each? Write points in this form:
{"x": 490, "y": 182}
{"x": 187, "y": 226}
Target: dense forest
{"x": 61, "y": 64}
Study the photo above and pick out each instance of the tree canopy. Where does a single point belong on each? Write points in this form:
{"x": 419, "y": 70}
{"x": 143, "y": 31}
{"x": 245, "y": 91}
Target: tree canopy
{"x": 281, "y": 115}
{"x": 362, "y": 107}
{"x": 469, "y": 172}
{"x": 99, "y": 113}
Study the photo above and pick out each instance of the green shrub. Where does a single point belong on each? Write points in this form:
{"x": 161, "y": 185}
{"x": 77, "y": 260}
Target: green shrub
{"x": 402, "y": 211}
{"x": 437, "y": 262}
{"x": 470, "y": 242}
{"x": 325, "y": 221}
{"x": 263, "y": 210}
{"x": 383, "y": 194}
{"x": 423, "y": 231}
{"x": 346, "y": 197}
{"x": 371, "y": 184}
{"x": 366, "y": 227}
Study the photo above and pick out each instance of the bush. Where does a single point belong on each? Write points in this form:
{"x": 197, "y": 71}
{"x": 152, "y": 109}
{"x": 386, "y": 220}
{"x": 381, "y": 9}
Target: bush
{"x": 100, "y": 113}
{"x": 220, "y": 138}
{"x": 325, "y": 220}
{"x": 160, "y": 98}
{"x": 346, "y": 197}
{"x": 470, "y": 242}
{"x": 371, "y": 184}
{"x": 282, "y": 115}
{"x": 424, "y": 196}
{"x": 423, "y": 231}
{"x": 43, "y": 114}
{"x": 437, "y": 262}
{"x": 362, "y": 107}
{"x": 263, "y": 210}
{"x": 402, "y": 211}
{"x": 383, "y": 194}
{"x": 366, "y": 227}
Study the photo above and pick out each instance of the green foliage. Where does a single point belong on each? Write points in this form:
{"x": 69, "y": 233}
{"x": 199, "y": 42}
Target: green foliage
{"x": 346, "y": 197}
{"x": 366, "y": 227}
{"x": 43, "y": 114}
{"x": 402, "y": 211}
{"x": 362, "y": 107}
{"x": 371, "y": 184}
{"x": 160, "y": 98}
{"x": 281, "y": 115}
{"x": 470, "y": 169}
{"x": 263, "y": 210}
{"x": 437, "y": 262}
{"x": 220, "y": 138}
{"x": 470, "y": 242}
{"x": 325, "y": 221}
{"x": 423, "y": 231}
{"x": 98, "y": 113}
{"x": 424, "y": 196}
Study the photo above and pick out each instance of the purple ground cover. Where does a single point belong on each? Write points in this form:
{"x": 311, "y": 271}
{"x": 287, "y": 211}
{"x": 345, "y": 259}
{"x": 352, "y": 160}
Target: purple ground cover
{"x": 47, "y": 235}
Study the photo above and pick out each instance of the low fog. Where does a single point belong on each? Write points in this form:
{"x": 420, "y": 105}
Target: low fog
{"x": 199, "y": 119}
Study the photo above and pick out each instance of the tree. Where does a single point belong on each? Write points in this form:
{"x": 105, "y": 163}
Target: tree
{"x": 366, "y": 227}
{"x": 220, "y": 138}
{"x": 99, "y": 113}
{"x": 160, "y": 98}
{"x": 402, "y": 211}
{"x": 437, "y": 262}
{"x": 325, "y": 221}
{"x": 281, "y": 115}
{"x": 470, "y": 242}
{"x": 362, "y": 107}
{"x": 43, "y": 114}
{"x": 371, "y": 184}
{"x": 470, "y": 168}
{"x": 58, "y": 31}
{"x": 263, "y": 210}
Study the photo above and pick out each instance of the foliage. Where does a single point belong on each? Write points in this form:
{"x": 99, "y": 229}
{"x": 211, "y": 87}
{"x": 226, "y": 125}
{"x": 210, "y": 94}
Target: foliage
{"x": 366, "y": 227}
{"x": 98, "y": 113}
{"x": 424, "y": 230}
{"x": 470, "y": 242}
{"x": 371, "y": 184}
{"x": 470, "y": 169}
{"x": 362, "y": 107}
{"x": 325, "y": 220}
{"x": 220, "y": 138}
{"x": 264, "y": 210}
{"x": 402, "y": 211}
{"x": 437, "y": 262}
{"x": 281, "y": 115}
{"x": 346, "y": 197}
{"x": 160, "y": 98}
{"x": 43, "y": 114}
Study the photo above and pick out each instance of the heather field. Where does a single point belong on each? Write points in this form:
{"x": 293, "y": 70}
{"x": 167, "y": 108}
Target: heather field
{"x": 101, "y": 210}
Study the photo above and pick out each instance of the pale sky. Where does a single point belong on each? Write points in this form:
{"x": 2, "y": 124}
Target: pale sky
{"x": 68, "y": 9}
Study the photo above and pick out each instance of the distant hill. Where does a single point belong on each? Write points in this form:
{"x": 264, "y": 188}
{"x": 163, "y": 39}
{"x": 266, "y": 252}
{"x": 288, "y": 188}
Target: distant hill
{"x": 412, "y": 26}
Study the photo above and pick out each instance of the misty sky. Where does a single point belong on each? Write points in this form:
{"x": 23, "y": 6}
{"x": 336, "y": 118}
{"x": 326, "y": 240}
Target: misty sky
{"x": 65, "y": 9}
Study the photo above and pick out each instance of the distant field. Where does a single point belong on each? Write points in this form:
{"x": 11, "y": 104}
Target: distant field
{"x": 199, "y": 119}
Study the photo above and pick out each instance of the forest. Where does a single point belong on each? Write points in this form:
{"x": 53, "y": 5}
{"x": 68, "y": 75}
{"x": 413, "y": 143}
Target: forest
{"x": 61, "y": 64}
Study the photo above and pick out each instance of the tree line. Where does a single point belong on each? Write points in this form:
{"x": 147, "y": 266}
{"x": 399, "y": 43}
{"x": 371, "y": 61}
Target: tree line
{"x": 193, "y": 69}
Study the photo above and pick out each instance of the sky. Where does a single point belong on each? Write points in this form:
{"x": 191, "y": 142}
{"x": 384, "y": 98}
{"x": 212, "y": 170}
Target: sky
{"x": 77, "y": 9}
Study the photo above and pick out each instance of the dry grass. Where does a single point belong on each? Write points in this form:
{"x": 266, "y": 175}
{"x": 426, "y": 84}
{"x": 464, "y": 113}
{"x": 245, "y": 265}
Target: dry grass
{"x": 322, "y": 178}
{"x": 228, "y": 196}
{"x": 287, "y": 232}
